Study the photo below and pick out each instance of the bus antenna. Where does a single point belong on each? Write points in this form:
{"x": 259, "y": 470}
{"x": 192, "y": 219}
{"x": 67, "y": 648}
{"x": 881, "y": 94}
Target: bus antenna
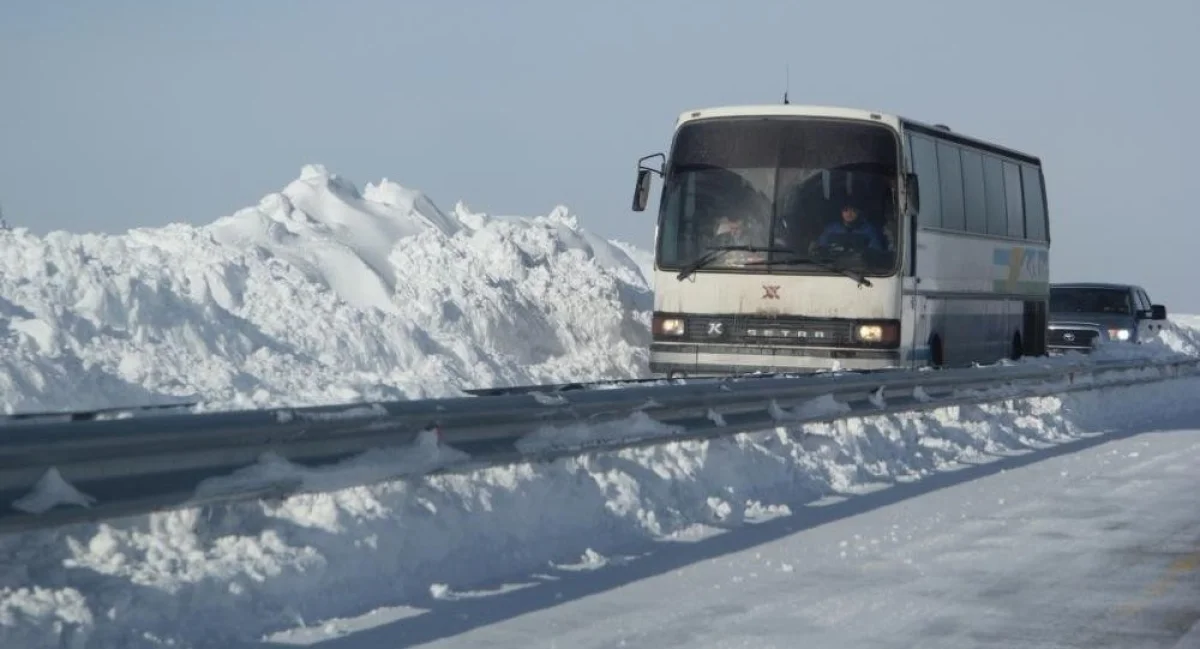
{"x": 787, "y": 84}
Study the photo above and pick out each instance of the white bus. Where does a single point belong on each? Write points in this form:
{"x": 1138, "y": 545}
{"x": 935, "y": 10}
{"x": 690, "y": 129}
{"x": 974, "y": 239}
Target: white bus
{"x": 794, "y": 238}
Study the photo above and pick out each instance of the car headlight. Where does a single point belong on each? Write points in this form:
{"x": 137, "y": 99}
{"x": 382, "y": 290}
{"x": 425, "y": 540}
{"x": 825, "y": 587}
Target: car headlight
{"x": 1118, "y": 334}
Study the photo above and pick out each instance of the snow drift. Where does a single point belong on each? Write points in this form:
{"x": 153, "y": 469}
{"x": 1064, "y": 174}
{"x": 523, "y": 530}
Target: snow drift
{"x": 215, "y": 576}
{"x": 318, "y": 294}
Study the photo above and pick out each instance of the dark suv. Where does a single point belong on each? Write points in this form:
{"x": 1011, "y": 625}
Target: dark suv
{"x": 1082, "y": 315}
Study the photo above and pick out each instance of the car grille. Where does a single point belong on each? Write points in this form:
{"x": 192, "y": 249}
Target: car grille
{"x": 766, "y": 330}
{"x": 1073, "y": 337}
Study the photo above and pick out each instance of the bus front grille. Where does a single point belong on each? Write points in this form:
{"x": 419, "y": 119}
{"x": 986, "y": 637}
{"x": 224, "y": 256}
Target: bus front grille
{"x": 758, "y": 330}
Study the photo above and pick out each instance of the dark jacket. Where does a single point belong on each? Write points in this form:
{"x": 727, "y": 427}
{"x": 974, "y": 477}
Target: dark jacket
{"x": 859, "y": 234}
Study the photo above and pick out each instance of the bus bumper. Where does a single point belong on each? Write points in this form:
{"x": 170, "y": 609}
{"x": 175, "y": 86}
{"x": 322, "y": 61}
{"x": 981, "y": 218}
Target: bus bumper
{"x": 714, "y": 360}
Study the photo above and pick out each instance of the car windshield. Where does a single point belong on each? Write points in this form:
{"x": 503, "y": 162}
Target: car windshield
{"x": 797, "y": 190}
{"x": 1090, "y": 300}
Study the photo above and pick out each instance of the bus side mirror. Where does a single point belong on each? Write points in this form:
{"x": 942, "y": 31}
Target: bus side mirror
{"x": 912, "y": 190}
{"x": 641, "y": 193}
{"x": 1158, "y": 312}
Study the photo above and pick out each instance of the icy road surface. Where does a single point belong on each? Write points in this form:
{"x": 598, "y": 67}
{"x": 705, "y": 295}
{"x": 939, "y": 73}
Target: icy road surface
{"x": 1092, "y": 544}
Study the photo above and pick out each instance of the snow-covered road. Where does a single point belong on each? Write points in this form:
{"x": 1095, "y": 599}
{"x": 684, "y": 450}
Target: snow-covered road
{"x": 1091, "y": 544}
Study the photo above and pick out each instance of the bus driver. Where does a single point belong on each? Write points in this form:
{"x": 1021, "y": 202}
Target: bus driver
{"x": 852, "y": 233}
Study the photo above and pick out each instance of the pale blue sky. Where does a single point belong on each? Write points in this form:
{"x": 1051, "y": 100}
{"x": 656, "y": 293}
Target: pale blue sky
{"x": 121, "y": 114}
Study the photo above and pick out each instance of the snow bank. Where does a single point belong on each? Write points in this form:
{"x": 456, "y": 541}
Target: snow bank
{"x": 208, "y": 577}
{"x": 1182, "y": 334}
{"x": 318, "y": 294}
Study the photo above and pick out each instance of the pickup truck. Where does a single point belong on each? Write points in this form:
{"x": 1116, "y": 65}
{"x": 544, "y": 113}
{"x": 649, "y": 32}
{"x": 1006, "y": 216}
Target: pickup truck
{"x": 1083, "y": 315}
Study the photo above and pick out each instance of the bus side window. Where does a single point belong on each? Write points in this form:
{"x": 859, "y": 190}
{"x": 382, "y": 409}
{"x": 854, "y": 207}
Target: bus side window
{"x": 925, "y": 165}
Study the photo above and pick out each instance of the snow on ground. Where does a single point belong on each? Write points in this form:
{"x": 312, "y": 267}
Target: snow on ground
{"x": 1095, "y": 547}
{"x": 320, "y": 293}
{"x": 207, "y": 577}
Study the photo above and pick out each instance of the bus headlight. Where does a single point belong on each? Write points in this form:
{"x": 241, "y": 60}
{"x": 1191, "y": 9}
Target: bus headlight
{"x": 870, "y": 333}
{"x": 1118, "y": 334}
{"x": 885, "y": 333}
{"x": 668, "y": 326}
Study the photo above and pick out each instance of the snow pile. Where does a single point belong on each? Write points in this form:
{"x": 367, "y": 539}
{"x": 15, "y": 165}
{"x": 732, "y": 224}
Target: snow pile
{"x": 643, "y": 258}
{"x": 318, "y": 294}
{"x": 213, "y": 576}
{"x": 51, "y": 491}
{"x": 1182, "y": 334}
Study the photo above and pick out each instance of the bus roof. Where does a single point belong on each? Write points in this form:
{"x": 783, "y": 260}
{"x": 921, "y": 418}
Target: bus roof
{"x": 786, "y": 110}
{"x": 839, "y": 112}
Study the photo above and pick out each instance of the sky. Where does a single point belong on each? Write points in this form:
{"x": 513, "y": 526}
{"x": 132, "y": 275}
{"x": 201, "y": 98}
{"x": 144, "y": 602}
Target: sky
{"x": 126, "y": 114}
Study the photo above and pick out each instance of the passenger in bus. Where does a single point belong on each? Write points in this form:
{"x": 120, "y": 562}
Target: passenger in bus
{"x": 852, "y": 233}
{"x": 734, "y": 231}
{"x": 731, "y": 231}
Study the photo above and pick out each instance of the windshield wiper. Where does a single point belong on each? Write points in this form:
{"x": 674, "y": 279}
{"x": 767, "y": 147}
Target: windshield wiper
{"x": 827, "y": 265}
{"x": 716, "y": 251}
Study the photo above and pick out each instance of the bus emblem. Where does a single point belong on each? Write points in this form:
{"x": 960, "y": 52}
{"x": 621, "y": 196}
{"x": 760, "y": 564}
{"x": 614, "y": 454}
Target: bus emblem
{"x": 715, "y": 328}
{"x": 770, "y": 292}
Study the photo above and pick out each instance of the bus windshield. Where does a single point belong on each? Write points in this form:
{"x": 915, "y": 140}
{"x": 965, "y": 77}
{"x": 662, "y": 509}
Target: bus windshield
{"x": 796, "y": 194}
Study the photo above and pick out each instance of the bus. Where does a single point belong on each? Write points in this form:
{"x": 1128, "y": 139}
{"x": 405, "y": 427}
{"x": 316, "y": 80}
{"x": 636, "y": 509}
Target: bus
{"x": 801, "y": 238}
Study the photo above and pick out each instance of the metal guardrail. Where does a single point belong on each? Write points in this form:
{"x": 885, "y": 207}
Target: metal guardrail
{"x": 610, "y": 384}
{"x": 161, "y": 461}
{"x": 97, "y": 413}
